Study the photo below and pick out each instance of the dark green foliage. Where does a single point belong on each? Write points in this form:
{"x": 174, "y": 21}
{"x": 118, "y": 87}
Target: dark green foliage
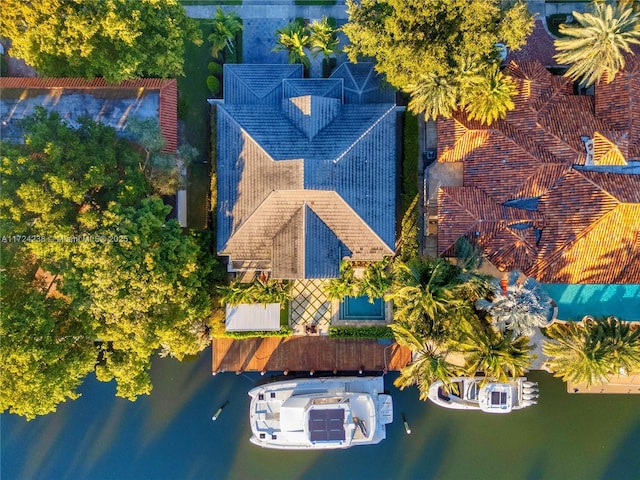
{"x": 285, "y": 331}
{"x": 183, "y": 107}
{"x": 4, "y": 67}
{"x": 215, "y": 68}
{"x": 328, "y": 64}
{"x": 361, "y": 332}
{"x": 411, "y": 153}
{"x": 593, "y": 350}
{"x": 119, "y": 274}
{"x": 437, "y": 51}
{"x": 213, "y": 84}
{"x": 409, "y": 246}
{"x": 261, "y": 290}
{"x": 225, "y": 30}
{"x": 117, "y": 40}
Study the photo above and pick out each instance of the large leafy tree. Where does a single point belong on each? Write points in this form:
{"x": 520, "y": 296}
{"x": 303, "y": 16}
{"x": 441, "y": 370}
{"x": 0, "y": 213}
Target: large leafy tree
{"x": 593, "y": 350}
{"x": 599, "y": 43}
{"x": 46, "y": 351}
{"x": 125, "y": 278}
{"x": 114, "y": 39}
{"x": 62, "y": 178}
{"x": 140, "y": 283}
{"x": 425, "y": 48}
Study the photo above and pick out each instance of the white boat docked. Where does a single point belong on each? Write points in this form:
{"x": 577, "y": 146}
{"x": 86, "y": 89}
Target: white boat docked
{"x": 320, "y": 413}
{"x": 468, "y": 393}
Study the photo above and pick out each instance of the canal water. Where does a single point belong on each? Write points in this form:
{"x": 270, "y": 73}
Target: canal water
{"x": 170, "y": 435}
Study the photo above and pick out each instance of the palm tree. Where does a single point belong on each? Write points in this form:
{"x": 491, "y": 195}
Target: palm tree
{"x": 473, "y": 285}
{"x": 499, "y": 355}
{"x": 294, "y": 38}
{"x": 261, "y": 290}
{"x": 434, "y": 95}
{"x": 598, "y": 45}
{"x": 423, "y": 289}
{"x": 265, "y": 291}
{"x": 376, "y": 280}
{"x": 344, "y": 286}
{"x": 524, "y": 307}
{"x": 234, "y": 294}
{"x": 593, "y": 350}
{"x": 225, "y": 28}
{"x": 324, "y": 38}
{"x": 428, "y": 364}
{"x": 489, "y": 96}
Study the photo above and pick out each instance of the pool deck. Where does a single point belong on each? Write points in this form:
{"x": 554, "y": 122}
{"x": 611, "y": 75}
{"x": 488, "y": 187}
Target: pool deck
{"x": 303, "y": 354}
{"x": 623, "y": 384}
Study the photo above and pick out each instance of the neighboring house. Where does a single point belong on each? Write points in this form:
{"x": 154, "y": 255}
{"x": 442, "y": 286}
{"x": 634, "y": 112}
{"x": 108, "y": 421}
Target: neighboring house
{"x": 109, "y": 104}
{"x": 306, "y": 169}
{"x": 553, "y": 190}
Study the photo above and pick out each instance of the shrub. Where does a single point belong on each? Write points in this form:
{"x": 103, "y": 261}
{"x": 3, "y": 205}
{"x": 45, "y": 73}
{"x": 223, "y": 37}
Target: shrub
{"x": 183, "y": 108}
{"x": 215, "y": 68}
{"x": 213, "y": 84}
{"x": 285, "y": 331}
{"x": 361, "y": 332}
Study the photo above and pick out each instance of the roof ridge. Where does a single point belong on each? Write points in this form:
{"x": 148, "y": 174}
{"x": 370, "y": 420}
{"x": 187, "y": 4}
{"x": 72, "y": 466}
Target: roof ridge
{"x": 364, "y": 134}
{"x": 549, "y": 259}
{"x": 349, "y": 208}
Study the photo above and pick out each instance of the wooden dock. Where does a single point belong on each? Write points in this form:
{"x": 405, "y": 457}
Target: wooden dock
{"x": 305, "y": 354}
{"x": 617, "y": 384}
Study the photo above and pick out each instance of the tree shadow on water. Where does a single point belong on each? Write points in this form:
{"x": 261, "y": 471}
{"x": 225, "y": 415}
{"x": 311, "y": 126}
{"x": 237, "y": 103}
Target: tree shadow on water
{"x": 625, "y": 464}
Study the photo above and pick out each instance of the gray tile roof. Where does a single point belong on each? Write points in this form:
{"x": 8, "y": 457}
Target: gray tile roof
{"x": 256, "y": 84}
{"x": 305, "y": 181}
{"x": 363, "y": 85}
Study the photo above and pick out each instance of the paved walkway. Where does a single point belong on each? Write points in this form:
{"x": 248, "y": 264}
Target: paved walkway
{"x": 310, "y": 308}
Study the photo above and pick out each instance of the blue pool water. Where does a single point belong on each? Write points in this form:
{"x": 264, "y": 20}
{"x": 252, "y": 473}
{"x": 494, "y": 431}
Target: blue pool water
{"x": 359, "y": 308}
{"x": 576, "y": 301}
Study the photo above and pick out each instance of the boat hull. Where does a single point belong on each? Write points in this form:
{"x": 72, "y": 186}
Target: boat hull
{"x": 492, "y": 397}
{"x": 320, "y": 413}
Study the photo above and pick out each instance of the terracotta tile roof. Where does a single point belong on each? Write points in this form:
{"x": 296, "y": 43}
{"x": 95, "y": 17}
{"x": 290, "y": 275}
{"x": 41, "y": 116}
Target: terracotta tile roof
{"x": 533, "y": 198}
{"x": 167, "y": 91}
{"x": 539, "y": 47}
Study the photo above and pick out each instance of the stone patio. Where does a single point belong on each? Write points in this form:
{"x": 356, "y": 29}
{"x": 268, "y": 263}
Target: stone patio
{"x": 309, "y": 308}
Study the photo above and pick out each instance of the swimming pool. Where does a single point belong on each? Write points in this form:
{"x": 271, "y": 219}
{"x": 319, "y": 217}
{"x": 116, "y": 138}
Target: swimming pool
{"x": 359, "y": 308}
{"x": 576, "y": 301}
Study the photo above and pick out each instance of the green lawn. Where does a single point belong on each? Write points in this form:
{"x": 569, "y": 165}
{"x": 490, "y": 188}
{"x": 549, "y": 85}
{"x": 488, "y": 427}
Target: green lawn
{"x": 194, "y": 94}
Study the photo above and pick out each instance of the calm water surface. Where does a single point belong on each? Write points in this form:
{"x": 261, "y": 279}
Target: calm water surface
{"x": 170, "y": 435}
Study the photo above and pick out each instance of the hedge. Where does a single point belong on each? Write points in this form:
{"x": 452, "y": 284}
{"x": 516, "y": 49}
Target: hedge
{"x": 360, "y": 332}
{"x": 285, "y": 331}
{"x": 411, "y": 147}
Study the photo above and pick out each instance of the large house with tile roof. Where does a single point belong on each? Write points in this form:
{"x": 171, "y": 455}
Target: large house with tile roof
{"x": 306, "y": 170}
{"x": 554, "y": 189}
{"x": 110, "y": 104}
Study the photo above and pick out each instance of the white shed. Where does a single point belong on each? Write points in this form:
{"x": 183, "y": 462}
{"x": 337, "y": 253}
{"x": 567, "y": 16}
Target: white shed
{"x": 256, "y": 317}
